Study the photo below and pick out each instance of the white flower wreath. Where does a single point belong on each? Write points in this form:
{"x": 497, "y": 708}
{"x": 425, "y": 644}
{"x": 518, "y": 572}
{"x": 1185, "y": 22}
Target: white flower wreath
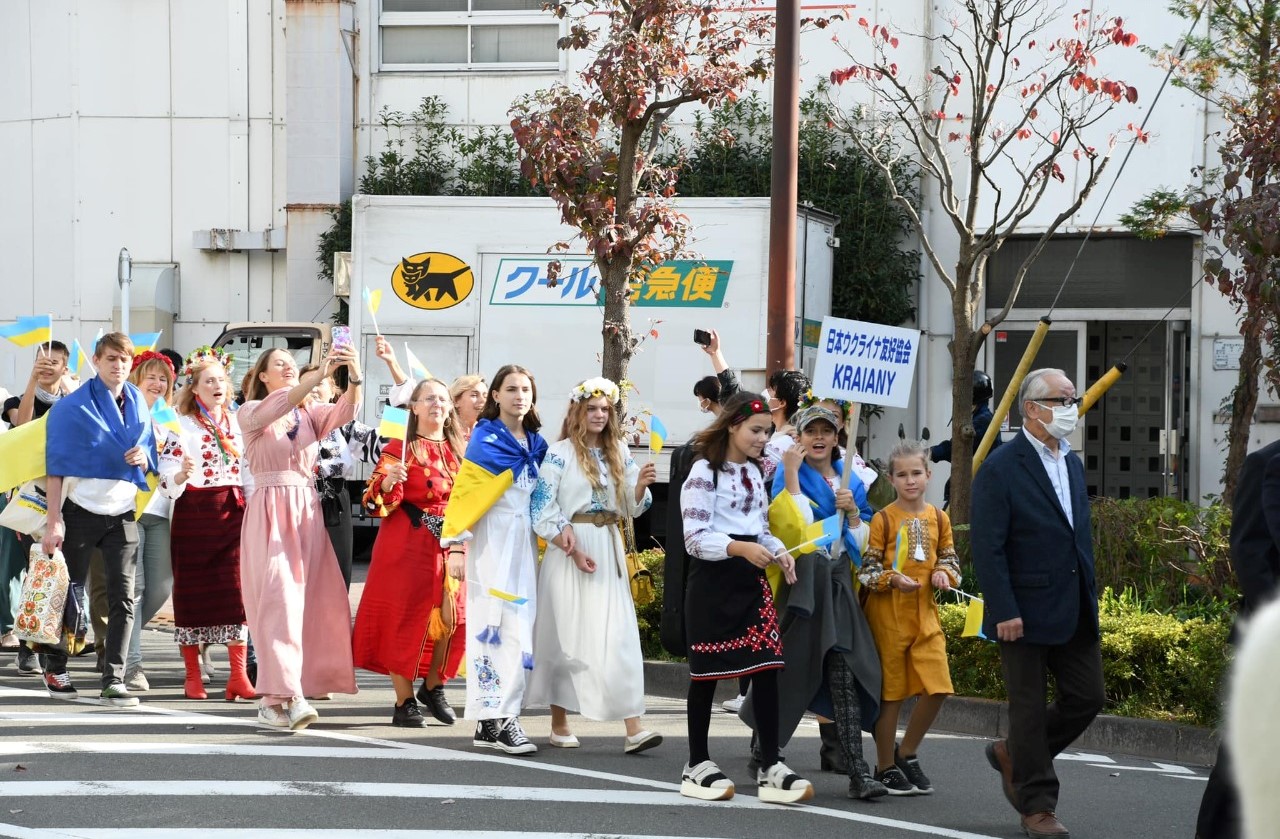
{"x": 591, "y": 388}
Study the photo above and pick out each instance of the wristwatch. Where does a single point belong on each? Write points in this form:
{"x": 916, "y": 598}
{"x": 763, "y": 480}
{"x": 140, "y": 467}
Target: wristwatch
{"x": 352, "y": 380}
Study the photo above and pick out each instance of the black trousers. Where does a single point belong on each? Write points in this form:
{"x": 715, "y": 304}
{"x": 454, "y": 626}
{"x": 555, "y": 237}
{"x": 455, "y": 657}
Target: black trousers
{"x": 1039, "y": 730}
{"x": 117, "y": 538}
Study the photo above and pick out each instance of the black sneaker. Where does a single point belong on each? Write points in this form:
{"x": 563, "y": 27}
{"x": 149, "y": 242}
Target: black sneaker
{"x": 896, "y": 782}
{"x": 28, "y": 662}
{"x": 910, "y": 767}
{"x": 434, "y": 701}
{"x": 59, "y": 685}
{"x": 864, "y": 787}
{"x": 407, "y": 715}
{"x": 503, "y": 735}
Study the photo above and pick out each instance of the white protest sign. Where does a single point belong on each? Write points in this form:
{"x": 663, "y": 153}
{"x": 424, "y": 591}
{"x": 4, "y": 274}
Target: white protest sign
{"x": 868, "y": 363}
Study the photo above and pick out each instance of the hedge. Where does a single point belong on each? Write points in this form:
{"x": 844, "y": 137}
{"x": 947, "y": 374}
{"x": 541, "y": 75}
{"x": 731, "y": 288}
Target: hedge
{"x": 1155, "y": 666}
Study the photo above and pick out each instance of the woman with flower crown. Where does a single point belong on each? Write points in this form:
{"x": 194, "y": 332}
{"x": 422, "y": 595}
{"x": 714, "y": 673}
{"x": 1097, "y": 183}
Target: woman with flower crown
{"x": 585, "y": 639}
{"x": 200, "y": 470}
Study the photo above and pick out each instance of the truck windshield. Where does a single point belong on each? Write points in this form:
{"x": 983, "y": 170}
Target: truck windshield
{"x": 248, "y": 344}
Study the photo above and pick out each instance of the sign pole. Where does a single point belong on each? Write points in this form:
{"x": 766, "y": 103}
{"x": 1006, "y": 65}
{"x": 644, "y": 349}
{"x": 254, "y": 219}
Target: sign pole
{"x": 850, "y": 436}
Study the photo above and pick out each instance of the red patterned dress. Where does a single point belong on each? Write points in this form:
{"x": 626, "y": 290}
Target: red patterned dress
{"x": 406, "y": 579}
{"x": 208, "y": 605}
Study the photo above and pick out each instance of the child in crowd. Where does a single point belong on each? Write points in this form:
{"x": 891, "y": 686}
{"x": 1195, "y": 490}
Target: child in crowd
{"x": 731, "y": 624}
{"x": 910, "y": 554}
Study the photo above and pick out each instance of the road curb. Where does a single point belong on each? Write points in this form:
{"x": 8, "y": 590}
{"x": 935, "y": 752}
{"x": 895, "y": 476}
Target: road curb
{"x": 990, "y": 718}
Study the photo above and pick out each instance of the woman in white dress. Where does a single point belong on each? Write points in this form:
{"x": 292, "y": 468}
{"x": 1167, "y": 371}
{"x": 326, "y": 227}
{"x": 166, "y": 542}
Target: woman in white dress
{"x": 585, "y": 639}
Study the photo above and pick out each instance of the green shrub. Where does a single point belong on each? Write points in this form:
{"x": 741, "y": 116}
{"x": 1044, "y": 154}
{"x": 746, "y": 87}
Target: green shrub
{"x": 649, "y": 616}
{"x": 1155, "y": 666}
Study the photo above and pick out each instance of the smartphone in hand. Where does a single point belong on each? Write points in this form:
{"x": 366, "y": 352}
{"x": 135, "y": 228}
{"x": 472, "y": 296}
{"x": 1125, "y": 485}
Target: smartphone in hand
{"x": 702, "y": 336}
{"x": 342, "y": 338}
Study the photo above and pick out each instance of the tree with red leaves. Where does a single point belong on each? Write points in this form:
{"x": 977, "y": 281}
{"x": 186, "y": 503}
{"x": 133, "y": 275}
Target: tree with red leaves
{"x": 591, "y": 146}
{"x": 1007, "y": 103}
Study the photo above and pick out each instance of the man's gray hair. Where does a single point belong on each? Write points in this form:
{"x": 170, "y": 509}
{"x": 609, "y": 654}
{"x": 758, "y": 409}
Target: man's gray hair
{"x": 1035, "y": 387}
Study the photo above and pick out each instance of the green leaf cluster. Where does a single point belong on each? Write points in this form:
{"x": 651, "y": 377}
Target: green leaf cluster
{"x": 875, "y": 269}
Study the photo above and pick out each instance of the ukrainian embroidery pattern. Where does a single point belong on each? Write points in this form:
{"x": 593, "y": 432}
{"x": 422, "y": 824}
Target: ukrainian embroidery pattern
{"x": 764, "y": 635}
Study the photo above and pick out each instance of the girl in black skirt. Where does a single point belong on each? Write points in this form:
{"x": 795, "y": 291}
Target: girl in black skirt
{"x": 730, "y": 622}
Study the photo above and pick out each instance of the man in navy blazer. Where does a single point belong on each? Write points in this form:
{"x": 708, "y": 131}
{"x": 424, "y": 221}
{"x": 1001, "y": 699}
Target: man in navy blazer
{"x": 1032, "y": 550}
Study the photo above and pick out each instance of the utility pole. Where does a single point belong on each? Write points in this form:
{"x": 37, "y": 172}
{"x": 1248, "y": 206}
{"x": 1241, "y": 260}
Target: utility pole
{"x": 124, "y": 276}
{"x": 783, "y": 192}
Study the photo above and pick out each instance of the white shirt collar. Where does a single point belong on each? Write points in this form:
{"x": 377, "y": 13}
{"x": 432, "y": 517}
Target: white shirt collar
{"x": 1042, "y": 449}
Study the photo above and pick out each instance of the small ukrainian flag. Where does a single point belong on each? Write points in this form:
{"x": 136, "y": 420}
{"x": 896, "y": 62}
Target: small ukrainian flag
{"x": 28, "y": 331}
{"x": 973, "y": 619}
{"x": 824, "y": 532}
{"x": 657, "y": 434}
{"x": 164, "y": 416}
{"x": 416, "y": 368}
{"x": 395, "y": 423}
{"x": 79, "y": 359}
{"x": 144, "y": 341}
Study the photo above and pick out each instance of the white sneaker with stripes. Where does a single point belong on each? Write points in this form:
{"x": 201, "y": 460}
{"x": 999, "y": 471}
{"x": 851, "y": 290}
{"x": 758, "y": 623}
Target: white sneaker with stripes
{"x": 705, "y": 781}
{"x": 779, "y": 785}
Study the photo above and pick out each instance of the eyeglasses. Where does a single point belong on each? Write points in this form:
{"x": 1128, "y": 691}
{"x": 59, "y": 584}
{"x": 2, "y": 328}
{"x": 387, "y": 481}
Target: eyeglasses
{"x": 431, "y": 400}
{"x": 1065, "y": 401}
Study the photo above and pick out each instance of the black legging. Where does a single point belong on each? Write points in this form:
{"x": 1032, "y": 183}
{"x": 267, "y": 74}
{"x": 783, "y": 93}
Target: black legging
{"x": 764, "y": 696}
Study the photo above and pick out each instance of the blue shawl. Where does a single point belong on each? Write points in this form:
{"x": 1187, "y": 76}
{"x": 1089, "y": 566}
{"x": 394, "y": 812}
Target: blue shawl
{"x": 822, "y": 500}
{"x": 87, "y": 436}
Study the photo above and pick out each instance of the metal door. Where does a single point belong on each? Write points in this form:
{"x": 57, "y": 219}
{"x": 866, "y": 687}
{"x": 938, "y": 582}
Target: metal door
{"x": 444, "y": 355}
{"x": 1063, "y": 348}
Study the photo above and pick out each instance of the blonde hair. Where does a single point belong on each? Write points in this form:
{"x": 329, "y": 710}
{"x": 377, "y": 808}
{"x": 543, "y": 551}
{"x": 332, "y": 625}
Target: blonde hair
{"x": 152, "y": 365}
{"x": 462, "y": 384}
{"x": 574, "y": 429}
{"x": 906, "y": 449}
{"x": 186, "y": 402}
{"x": 452, "y": 434}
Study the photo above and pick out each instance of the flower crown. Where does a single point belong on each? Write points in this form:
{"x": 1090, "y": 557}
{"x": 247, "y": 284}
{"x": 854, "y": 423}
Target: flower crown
{"x": 808, "y": 400}
{"x": 591, "y": 388}
{"x": 200, "y": 355}
{"x": 152, "y": 355}
{"x": 749, "y": 409}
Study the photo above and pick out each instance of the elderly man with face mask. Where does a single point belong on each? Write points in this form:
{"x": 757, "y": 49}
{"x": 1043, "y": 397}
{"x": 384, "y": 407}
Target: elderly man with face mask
{"x": 1031, "y": 545}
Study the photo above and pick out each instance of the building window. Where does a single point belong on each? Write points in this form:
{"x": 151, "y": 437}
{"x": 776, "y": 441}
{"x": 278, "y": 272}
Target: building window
{"x": 469, "y": 35}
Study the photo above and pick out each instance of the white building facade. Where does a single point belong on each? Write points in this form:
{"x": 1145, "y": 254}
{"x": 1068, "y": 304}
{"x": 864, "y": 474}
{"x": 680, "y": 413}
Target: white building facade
{"x": 212, "y": 139}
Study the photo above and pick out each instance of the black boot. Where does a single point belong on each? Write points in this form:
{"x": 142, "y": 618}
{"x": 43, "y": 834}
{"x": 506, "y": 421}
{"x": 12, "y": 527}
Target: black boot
{"x": 830, "y": 756}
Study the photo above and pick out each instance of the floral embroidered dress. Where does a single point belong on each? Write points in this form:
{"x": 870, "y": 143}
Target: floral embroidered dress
{"x": 730, "y": 621}
{"x": 294, "y": 598}
{"x": 208, "y": 509}
{"x": 585, "y": 638}
{"x": 908, "y": 633}
{"x": 406, "y": 580}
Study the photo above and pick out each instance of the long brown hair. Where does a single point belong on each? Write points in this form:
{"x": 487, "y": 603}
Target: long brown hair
{"x": 254, "y": 388}
{"x": 574, "y": 428}
{"x": 712, "y": 443}
{"x": 531, "y": 422}
{"x": 452, "y": 434}
{"x": 186, "y": 401}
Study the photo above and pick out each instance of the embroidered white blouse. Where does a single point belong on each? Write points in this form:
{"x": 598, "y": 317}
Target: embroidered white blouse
{"x": 211, "y": 470}
{"x": 563, "y": 489}
{"x": 713, "y": 507}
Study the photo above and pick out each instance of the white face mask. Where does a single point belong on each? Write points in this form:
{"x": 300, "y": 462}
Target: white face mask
{"x": 1065, "y": 419}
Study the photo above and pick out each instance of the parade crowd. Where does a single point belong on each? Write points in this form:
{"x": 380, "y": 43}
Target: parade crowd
{"x": 234, "y": 505}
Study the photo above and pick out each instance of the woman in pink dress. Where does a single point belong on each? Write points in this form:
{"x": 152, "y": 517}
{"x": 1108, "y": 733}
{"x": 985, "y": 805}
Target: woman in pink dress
{"x": 294, "y": 596}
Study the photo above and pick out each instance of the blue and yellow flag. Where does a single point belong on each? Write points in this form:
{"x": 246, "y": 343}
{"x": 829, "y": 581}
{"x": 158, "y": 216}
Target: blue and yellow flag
{"x": 900, "y": 549}
{"x": 973, "y": 620}
{"x": 416, "y": 368}
{"x": 395, "y": 423}
{"x": 78, "y": 359}
{"x": 493, "y": 460}
{"x": 22, "y": 454}
{"x": 825, "y": 532}
{"x": 657, "y": 434}
{"x": 28, "y": 331}
{"x": 164, "y": 416}
{"x": 143, "y": 341}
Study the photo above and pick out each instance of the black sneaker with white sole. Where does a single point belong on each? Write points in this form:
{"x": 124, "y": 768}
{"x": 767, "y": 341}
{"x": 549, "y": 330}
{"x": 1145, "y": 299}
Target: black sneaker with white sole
{"x": 503, "y": 735}
{"x": 896, "y": 782}
{"x": 59, "y": 685}
{"x": 910, "y": 767}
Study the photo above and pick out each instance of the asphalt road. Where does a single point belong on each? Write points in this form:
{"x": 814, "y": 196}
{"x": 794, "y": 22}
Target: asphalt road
{"x": 174, "y": 767}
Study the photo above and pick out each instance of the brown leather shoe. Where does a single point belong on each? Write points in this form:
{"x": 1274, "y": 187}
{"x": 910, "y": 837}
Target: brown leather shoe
{"x": 998, "y": 757}
{"x": 1044, "y": 826}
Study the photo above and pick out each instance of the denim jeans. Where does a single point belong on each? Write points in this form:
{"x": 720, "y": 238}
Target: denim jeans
{"x": 117, "y": 538}
{"x": 152, "y": 581}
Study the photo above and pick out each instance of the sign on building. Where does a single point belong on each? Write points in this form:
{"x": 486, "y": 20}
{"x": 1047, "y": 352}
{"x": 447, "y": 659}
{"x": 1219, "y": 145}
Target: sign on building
{"x": 524, "y": 281}
{"x": 868, "y": 363}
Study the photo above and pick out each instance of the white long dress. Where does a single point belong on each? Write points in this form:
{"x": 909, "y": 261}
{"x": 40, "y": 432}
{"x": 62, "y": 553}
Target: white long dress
{"x": 585, "y": 640}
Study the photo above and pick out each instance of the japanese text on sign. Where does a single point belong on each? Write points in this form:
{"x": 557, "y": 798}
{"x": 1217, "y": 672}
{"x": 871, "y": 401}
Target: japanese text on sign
{"x": 865, "y": 362}
{"x": 685, "y": 283}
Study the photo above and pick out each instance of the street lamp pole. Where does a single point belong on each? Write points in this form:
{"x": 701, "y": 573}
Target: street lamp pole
{"x": 780, "y": 344}
{"x": 124, "y": 276}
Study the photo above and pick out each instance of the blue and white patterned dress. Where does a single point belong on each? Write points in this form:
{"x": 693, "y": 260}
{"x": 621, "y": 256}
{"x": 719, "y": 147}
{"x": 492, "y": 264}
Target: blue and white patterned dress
{"x": 585, "y": 639}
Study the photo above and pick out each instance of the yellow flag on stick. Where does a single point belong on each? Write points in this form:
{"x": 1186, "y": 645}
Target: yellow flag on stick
{"x": 973, "y": 620}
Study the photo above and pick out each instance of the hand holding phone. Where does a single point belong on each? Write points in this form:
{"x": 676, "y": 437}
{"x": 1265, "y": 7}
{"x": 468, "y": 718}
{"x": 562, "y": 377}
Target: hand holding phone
{"x": 342, "y": 338}
{"x": 701, "y": 336}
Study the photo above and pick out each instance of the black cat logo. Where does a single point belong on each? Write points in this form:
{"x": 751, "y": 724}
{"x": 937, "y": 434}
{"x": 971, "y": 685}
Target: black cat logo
{"x": 432, "y": 280}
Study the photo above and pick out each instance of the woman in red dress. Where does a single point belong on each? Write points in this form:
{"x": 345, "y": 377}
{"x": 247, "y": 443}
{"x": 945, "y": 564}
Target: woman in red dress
{"x": 410, "y": 622}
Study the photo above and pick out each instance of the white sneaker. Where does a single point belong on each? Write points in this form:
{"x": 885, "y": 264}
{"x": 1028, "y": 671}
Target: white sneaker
{"x": 779, "y": 785}
{"x": 734, "y": 705}
{"x": 207, "y": 670}
{"x": 705, "y": 781}
{"x": 136, "y": 681}
{"x": 272, "y": 716}
{"x": 301, "y": 714}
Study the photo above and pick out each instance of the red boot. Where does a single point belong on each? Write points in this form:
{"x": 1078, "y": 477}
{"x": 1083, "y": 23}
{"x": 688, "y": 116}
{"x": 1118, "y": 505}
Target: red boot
{"x": 192, "y": 688}
{"x": 238, "y": 684}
